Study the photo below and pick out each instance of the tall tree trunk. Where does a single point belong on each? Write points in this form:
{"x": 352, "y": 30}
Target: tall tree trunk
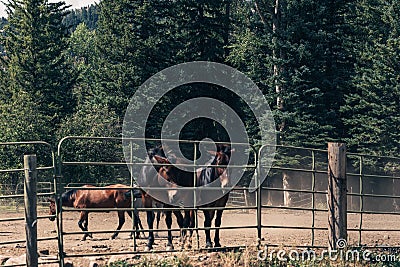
{"x": 227, "y": 27}
{"x": 277, "y": 56}
{"x": 277, "y": 53}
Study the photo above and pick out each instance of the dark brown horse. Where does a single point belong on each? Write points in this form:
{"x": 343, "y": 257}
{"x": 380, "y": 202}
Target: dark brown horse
{"x": 205, "y": 176}
{"x": 150, "y": 175}
{"x": 115, "y": 196}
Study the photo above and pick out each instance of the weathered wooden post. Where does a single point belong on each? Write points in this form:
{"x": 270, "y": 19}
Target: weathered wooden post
{"x": 30, "y": 210}
{"x": 337, "y": 194}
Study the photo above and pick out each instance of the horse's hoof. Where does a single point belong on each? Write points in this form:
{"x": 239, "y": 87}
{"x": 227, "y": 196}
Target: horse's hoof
{"x": 209, "y": 245}
{"x": 170, "y": 247}
{"x": 147, "y": 248}
{"x": 188, "y": 244}
{"x": 217, "y": 245}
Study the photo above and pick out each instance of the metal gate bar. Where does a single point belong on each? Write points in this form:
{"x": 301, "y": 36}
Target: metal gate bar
{"x": 63, "y": 162}
{"x": 51, "y": 167}
{"x": 259, "y": 207}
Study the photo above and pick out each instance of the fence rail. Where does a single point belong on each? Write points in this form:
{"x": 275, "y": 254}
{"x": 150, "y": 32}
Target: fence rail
{"x": 12, "y": 188}
{"x": 297, "y": 182}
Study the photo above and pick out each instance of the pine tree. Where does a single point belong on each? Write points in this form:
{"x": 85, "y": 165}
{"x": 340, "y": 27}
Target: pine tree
{"x": 132, "y": 44}
{"x": 35, "y": 64}
{"x": 297, "y": 52}
{"x": 202, "y": 32}
{"x": 371, "y": 110}
{"x": 87, "y": 15}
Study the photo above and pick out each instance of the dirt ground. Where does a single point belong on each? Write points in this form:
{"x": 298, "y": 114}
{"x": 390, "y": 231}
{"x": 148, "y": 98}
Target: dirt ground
{"x": 100, "y": 243}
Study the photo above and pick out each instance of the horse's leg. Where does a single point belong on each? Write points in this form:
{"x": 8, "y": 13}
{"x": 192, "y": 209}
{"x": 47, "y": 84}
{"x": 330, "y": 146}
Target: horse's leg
{"x": 121, "y": 221}
{"x": 150, "y": 221}
{"x": 147, "y": 203}
{"x": 86, "y": 225}
{"x": 180, "y": 221}
{"x": 83, "y": 224}
{"x": 168, "y": 222}
{"x": 217, "y": 224}
{"x": 80, "y": 224}
{"x": 158, "y": 220}
{"x": 186, "y": 221}
{"x": 138, "y": 224}
{"x": 187, "y": 224}
{"x": 192, "y": 221}
{"x": 179, "y": 218}
{"x": 208, "y": 216}
{"x": 135, "y": 222}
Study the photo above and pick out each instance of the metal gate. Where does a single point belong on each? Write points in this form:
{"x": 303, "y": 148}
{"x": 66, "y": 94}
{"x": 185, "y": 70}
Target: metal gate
{"x": 114, "y": 165}
{"x": 12, "y": 196}
{"x": 296, "y": 187}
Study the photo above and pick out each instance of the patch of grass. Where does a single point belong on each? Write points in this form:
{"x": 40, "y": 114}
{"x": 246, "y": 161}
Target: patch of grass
{"x": 176, "y": 260}
{"x": 248, "y": 258}
{"x": 119, "y": 264}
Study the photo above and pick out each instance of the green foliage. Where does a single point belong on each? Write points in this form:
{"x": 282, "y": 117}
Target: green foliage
{"x": 333, "y": 66}
{"x": 35, "y": 64}
{"x": 306, "y": 45}
{"x": 35, "y": 82}
{"x": 203, "y": 29}
{"x": 179, "y": 261}
{"x": 371, "y": 110}
{"x": 119, "y": 264}
{"x": 248, "y": 257}
{"x": 87, "y": 15}
{"x": 3, "y": 22}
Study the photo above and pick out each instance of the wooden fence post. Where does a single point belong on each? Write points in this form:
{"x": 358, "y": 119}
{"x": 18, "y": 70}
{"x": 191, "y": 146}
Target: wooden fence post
{"x": 30, "y": 210}
{"x": 337, "y": 194}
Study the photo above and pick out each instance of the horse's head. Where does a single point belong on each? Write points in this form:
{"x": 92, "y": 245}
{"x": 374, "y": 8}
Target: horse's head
{"x": 52, "y": 208}
{"x": 167, "y": 170}
{"x": 221, "y": 158}
{"x": 167, "y": 176}
{"x": 148, "y": 173}
{"x": 172, "y": 177}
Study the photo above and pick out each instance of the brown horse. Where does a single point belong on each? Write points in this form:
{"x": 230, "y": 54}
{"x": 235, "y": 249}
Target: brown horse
{"x": 205, "y": 176}
{"x": 222, "y": 157}
{"x": 150, "y": 175}
{"x": 112, "y": 197}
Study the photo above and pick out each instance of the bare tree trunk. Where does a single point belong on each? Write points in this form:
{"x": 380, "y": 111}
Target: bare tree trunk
{"x": 287, "y": 198}
{"x": 276, "y": 27}
{"x": 277, "y": 57}
{"x": 227, "y": 25}
{"x": 276, "y": 14}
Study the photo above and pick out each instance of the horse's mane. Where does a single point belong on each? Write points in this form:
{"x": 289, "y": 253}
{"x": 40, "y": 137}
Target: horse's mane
{"x": 158, "y": 150}
{"x": 66, "y": 197}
